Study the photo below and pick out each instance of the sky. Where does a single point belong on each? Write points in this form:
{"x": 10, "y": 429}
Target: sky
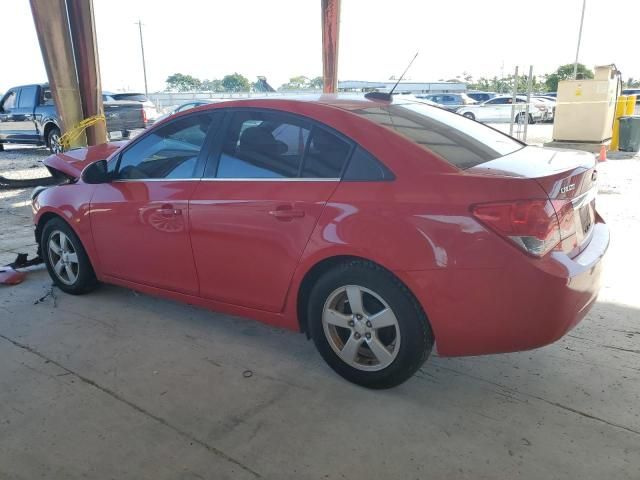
{"x": 282, "y": 38}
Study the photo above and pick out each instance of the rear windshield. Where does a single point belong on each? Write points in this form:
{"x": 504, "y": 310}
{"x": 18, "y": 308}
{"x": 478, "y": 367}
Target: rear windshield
{"x": 462, "y": 142}
{"x": 135, "y": 97}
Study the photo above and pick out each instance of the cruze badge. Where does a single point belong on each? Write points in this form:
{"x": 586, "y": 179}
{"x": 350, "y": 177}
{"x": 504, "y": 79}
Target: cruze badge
{"x": 568, "y": 188}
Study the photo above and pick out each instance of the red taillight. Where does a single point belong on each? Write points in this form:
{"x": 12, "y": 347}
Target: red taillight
{"x": 530, "y": 224}
{"x": 567, "y": 223}
{"x": 144, "y": 116}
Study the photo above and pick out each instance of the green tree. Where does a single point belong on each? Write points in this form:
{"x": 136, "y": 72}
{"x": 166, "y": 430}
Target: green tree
{"x": 302, "y": 83}
{"x": 295, "y": 83}
{"x": 236, "y": 83}
{"x": 632, "y": 83}
{"x": 214, "y": 85}
{"x": 182, "y": 83}
{"x": 316, "y": 83}
{"x": 565, "y": 72}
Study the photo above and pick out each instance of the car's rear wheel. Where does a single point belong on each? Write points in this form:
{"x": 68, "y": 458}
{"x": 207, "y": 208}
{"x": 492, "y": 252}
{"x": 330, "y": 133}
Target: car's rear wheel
{"x": 367, "y": 325}
{"x": 469, "y": 115}
{"x": 53, "y": 140}
{"x": 66, "y": 258}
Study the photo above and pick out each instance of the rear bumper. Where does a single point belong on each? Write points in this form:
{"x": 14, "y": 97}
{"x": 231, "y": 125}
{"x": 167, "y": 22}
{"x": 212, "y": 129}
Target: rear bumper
{"x": 527, "y": 304}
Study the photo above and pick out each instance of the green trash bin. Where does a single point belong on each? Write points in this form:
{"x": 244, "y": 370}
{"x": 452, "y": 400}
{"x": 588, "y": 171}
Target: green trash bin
{"x": 630, "y": 133}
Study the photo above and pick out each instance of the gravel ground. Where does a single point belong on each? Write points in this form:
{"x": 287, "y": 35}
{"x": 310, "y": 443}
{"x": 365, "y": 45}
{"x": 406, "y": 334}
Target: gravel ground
{"x": 17, "y": 162}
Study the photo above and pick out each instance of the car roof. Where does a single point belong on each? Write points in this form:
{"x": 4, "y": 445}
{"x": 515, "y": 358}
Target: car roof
{"x": 343, "y": 101}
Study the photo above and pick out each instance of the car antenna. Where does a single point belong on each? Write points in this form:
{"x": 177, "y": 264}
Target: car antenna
{"x": 385, "y": 95}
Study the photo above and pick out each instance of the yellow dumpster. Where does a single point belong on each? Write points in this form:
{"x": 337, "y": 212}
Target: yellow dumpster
{"x": 621, "y": 108}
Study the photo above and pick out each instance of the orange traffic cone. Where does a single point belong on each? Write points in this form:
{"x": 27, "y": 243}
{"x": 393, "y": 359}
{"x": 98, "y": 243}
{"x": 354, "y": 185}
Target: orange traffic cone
{"x": 603, "y": 154}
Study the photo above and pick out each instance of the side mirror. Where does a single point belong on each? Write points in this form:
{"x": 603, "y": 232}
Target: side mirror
{"x": 96, "y": 173}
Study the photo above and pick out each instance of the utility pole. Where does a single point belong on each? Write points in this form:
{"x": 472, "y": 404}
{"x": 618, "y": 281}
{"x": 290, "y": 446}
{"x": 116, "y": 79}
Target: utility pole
{"x": 144, "y": 64}
{"x": 575, "y": 64}
{"x": 513, "y": 101}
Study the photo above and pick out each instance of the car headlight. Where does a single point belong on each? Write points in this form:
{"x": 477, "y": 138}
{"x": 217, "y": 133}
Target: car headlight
{"x": 37, "y": 191}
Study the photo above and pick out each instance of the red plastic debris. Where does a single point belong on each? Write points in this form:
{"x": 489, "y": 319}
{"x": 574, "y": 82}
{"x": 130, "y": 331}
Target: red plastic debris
{"x": 9, "y": 276}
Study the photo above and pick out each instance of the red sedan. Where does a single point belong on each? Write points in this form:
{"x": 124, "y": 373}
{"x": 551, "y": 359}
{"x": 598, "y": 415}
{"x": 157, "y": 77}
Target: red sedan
{"x": 375, "y": 226}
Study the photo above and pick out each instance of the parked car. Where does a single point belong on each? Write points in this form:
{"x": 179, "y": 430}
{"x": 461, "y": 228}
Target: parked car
{"x": 498, "y": 109}
{"x": 375, "y": 225}
{"x": 449, "y": 101}
{"x": 186, "y": 106}
{"x": 481, "y": 96}
{"x": 150, "y": 111}
{"x": 29, "y": 116}
{"x": 546, "y": 97}
{"x": 550, "y": 102}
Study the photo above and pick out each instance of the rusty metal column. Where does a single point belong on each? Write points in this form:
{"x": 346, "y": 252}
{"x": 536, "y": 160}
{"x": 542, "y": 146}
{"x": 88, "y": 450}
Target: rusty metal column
{"x": 85, "y": 49}
{"x": 52, "y": 26}
{"x": 330, "y": 41}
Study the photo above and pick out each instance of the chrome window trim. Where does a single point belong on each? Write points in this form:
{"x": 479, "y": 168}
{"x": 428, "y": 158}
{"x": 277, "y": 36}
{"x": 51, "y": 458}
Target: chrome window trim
{"x": 126, "y": 180}
{"x": 271, "y": 179}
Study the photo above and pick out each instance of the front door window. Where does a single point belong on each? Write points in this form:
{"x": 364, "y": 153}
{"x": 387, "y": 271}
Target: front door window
{"x": 169, "y": 152}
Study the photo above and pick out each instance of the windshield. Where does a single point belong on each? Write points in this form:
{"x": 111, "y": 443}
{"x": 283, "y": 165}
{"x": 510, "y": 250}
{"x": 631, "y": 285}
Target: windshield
{"x": 460, "y": 141}
{"x": 136, "y": 97}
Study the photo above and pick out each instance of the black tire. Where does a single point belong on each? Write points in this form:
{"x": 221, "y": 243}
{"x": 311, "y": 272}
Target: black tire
{"x": 520, "y": 118}
{"x": 85, "y": 280}
{"x": 416, "y": 337}
{"x": 469, "y": 115}
{"x": 53, "y": 140}
{"x": 1, "y": 147}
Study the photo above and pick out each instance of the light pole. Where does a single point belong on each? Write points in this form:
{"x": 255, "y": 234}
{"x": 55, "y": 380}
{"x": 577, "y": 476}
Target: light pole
{"x": 575, "y": 64}
{"x": 144, "y": 65}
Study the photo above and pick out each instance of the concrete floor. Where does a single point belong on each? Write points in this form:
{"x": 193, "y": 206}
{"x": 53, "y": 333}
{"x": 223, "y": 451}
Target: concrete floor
{"x": 126, "y": 386}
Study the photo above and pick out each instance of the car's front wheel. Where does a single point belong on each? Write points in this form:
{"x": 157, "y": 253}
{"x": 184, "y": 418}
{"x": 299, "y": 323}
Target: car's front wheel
{"x": 368, "y": 326}
{"x": 469, "y": 115}
{"x": 66, "y": 258}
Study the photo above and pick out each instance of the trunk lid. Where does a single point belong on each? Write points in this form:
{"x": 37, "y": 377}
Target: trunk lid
{"x": 568, "y": 178}
{"x": 70, "y": 164}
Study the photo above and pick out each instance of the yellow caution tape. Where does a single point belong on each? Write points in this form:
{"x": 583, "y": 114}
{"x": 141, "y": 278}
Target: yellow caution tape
{"x": 73, "y": 133}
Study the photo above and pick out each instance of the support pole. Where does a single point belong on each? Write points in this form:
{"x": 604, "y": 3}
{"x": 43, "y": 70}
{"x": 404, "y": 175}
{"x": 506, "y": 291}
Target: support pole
{"x": 52, "y": 26}
{"x": 529, "y": 88}
{"x": 330, "y": 40}
{"x": 83, "y": 33}
{"x": 513, "y": 102}
{"x": 575, "y": 64}
{"x": 144, "y": 63}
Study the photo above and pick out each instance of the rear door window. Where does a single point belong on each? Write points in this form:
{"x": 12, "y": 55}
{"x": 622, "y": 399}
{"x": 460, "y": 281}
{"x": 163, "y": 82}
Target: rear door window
{"x": 326, "y": 155}
{"x": 263, "y": 145}
{"x": 28, "y": 97}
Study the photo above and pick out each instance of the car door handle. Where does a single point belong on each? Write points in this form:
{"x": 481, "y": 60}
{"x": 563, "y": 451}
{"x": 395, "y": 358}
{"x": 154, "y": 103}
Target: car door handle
{"x": 169, "y": 211}
{"x": 286, "y": 212}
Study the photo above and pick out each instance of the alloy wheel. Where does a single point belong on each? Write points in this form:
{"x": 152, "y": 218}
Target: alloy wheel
{"x": 361, "y": 328}
{"x": 63, "y": 257}
{"x": 56, "y": 146}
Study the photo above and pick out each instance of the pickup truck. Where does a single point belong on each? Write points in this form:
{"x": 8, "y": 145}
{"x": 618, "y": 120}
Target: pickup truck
{"x": 29, "y": 116}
